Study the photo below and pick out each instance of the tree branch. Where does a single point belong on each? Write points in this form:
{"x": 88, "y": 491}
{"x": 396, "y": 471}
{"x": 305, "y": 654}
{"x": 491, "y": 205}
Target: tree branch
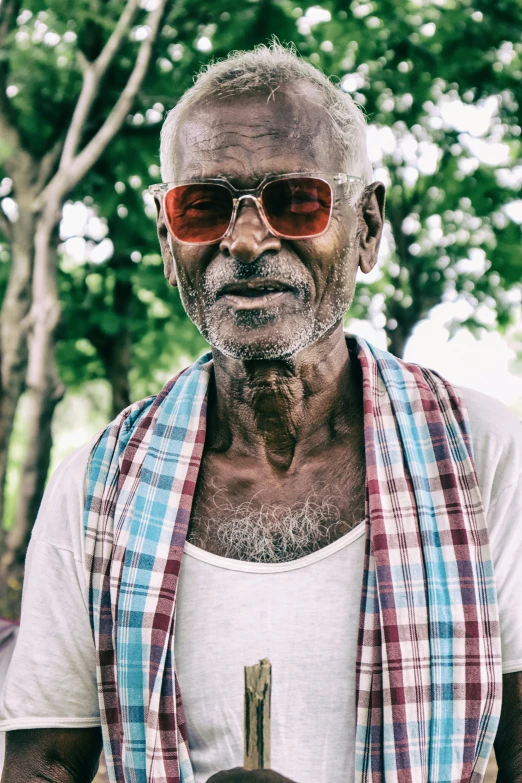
{"x": 47, "y": 165}
{"x": 8, "y": 133}
{"x": 82, "y": 60}
{"x": 93, "y": 73}
{"x": 106, "y": 55}
{"x": 66, "y": 178}
{"x": 90, "y": 154}
{"x": 8, "y": 13}
{"x": 9, "y": 10}
{"x": 5, "y": 226}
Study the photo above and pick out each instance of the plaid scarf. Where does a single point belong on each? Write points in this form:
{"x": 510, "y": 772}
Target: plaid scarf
{"x": 429, "y": 661}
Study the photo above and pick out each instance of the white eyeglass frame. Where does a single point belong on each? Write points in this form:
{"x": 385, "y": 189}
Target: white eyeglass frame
{"x": 334, "y": 181}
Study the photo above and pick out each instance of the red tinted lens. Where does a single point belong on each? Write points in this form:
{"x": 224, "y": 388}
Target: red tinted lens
{"x": 199, "y": 212}
{"x": 298, "y": 206}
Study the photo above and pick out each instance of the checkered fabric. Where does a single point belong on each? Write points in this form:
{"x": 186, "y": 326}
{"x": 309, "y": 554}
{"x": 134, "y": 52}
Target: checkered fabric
{"x": 429, "y": 674}
{"x": 428, "y": 665}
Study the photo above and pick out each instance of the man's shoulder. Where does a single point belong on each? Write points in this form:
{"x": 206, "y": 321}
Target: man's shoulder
{"x": 491, "y": 418}
{"x": 60, "y": 517}
{"x": 71, "y": 470}
{"x": 496, "y": 435}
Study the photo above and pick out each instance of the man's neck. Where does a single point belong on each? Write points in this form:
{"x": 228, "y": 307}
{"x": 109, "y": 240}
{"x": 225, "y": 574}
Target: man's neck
{"x": 284, "y": 411}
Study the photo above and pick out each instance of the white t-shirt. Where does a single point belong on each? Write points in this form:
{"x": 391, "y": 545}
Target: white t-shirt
{"x": 8, "y": 634}
{"x": 302, "y": 615}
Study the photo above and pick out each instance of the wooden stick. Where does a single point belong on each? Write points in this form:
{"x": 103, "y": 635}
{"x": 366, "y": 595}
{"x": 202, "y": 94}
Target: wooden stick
{"x": 258, "y": 684}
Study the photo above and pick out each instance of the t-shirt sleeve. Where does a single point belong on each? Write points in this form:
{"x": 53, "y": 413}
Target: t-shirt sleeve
{"x": 497, "y": 446}
{"x": 506, "y": 546}
{"x": 51, "y": 681}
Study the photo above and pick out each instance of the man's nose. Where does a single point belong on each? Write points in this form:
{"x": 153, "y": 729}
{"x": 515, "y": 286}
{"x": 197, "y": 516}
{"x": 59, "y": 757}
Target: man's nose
{"x": 249, "y": 237}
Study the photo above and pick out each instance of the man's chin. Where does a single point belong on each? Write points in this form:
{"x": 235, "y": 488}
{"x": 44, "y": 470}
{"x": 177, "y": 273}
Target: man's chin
{"x": 262, "y": 341}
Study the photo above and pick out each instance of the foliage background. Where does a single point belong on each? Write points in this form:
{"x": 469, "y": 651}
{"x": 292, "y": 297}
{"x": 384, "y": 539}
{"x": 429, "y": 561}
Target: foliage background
{"x": 440, "y": 82}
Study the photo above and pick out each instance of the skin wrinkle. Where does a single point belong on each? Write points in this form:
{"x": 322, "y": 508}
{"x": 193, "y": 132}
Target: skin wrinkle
{"x": 217, "y": 136}
{"x": 214, "y": 141}
{"x": 227, "y": 138}
{"x": 225, "y": 144}
{"x": 315, "y": 134}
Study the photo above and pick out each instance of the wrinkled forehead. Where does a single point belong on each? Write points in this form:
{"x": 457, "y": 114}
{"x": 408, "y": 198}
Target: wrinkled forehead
{"x": 244, "y": 137}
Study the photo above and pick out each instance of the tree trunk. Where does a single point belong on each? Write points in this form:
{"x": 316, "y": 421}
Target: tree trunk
{"x": 44, "y": 390}
{"x": 48, "y": 186}
{"x": 117, "y": 367}
{"x": 43, "y": 401}
{"x": 36, "y": 466}
{"x": 14, "y": 330}
{"x": 397, "y": 339}
{"x": 115, "y": 350}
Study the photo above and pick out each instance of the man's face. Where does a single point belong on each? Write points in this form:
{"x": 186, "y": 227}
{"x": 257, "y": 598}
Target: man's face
{"x": 222, "y": 286}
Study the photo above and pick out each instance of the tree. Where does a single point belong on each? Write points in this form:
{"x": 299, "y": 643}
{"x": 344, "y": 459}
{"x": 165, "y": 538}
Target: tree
{"x": 449, "y": 229}
{"x": 44, "y": 168}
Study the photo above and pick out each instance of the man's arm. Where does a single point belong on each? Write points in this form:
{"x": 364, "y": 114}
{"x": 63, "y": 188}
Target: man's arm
{"x": 508, "y": 742}
{"x": 52, "y": 755}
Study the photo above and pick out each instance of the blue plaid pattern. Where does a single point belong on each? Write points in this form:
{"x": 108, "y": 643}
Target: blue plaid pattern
{"x": 429, "y": 663}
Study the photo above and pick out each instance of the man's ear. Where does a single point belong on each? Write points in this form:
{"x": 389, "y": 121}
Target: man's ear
{"x": 166, "y": 253}
{"x": 370, "y": 219}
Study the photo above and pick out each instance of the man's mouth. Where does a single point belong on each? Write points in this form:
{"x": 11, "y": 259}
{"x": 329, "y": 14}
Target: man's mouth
{"x": 249, "y": 294}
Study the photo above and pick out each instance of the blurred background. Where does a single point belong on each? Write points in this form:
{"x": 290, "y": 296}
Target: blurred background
{"x": 88, "y": 322}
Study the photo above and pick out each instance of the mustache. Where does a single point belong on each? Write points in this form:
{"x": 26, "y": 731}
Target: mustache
{"x": 227, "y": 271}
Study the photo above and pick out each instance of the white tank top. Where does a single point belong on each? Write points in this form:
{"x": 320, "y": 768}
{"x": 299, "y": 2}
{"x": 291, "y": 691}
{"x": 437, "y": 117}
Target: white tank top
{"x": 303, "y": 616}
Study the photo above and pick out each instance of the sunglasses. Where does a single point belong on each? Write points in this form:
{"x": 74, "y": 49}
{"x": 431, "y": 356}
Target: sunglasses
{"x": 292, "y": 206}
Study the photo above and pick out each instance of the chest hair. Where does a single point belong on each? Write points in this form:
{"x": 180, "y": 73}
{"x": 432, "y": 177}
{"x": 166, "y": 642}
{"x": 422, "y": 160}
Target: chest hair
{"x": 247, "y": 513}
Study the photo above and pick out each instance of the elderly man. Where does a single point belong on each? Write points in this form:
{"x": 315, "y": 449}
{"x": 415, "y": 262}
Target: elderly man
{"x": 355, "y": 519}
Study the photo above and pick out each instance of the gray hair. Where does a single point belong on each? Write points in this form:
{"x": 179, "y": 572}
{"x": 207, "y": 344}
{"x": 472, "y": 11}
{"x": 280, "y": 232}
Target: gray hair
{"x": 270, "y": 67}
